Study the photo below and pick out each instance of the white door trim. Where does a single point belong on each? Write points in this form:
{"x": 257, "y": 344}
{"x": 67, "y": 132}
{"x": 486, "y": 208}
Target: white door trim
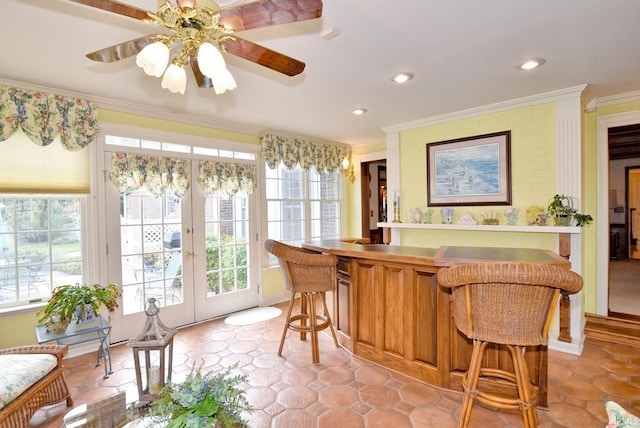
{"x": 602, "y": 219}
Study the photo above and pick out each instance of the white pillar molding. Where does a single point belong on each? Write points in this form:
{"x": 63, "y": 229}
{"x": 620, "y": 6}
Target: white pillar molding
{"x": 393, "y": 174}
{"x": 569, "y": 182}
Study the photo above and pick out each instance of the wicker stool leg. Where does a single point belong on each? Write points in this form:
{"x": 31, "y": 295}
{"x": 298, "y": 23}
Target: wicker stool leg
{"x": 326, "y": 314}
{"x": 313, "y": 325}
{"x": 470, "y": 382}
{"x": 287, "y": 323}
{"x": 525, "y": 390}
{"x": 304, "y": 315}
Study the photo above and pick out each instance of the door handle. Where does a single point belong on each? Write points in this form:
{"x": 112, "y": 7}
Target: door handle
{"x": 190, "y": 254}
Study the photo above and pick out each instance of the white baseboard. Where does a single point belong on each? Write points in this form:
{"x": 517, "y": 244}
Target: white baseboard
{"x": 569, "y": 348}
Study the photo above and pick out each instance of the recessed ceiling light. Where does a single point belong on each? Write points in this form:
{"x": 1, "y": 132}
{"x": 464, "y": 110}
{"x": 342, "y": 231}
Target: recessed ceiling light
{"x": 402, "y": 77}
{"x": 530, "y": 64}
{"x": 359, "y": 111}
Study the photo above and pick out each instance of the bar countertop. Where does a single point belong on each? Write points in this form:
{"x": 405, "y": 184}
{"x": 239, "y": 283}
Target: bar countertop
{"x": 395, "y": 253}
{"x": 445, "y": 256}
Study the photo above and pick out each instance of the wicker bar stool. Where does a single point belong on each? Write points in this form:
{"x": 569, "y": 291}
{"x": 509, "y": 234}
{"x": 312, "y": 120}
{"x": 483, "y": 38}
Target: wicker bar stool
{"x": 505, "y": 303}
{"x": 310, "y": 275}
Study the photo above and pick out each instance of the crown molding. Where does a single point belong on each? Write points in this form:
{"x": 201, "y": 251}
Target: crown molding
{"x": 628, "y": 97}
{"x": 514, "y": 104}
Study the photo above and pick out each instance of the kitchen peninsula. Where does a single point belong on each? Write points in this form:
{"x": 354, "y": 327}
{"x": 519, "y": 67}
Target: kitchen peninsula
{"x": 389, "y": 309}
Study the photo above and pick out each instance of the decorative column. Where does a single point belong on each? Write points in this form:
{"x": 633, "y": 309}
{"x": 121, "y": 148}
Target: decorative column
{"x": 569, "y": 334}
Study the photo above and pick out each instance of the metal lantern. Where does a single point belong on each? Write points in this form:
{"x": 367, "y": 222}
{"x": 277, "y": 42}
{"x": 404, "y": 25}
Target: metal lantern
{"x": 155, "y": 343}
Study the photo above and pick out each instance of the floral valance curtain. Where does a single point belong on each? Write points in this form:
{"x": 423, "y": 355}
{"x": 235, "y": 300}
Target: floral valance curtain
{"x": 130, "y": 172}
{"x": 43, "y": 117}
{"x": 227, "y": 178}
{"x": 292, "y": 151}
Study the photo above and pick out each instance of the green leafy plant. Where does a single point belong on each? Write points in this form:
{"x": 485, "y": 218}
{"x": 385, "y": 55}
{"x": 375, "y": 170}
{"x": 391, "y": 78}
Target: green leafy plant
{"x": 582, "y": 219}
{"x": 202, "y": 400}
{"x": 561, "y": 205}
{"x": 69, "y": 301}
{"x": 562, "y": 209}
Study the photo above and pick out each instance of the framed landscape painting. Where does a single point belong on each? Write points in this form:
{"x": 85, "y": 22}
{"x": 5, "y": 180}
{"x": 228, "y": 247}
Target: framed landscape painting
{"x": 470, "y": 171}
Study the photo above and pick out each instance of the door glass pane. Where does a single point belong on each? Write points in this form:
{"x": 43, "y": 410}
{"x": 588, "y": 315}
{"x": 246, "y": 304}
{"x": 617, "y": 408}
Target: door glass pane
{"x": 227, "y": 236}
{"x": 151, "y": 249}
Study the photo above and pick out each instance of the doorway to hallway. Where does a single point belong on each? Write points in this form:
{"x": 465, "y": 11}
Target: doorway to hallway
{"x": 374, "y": 199}
{"x": 624, "y": 222}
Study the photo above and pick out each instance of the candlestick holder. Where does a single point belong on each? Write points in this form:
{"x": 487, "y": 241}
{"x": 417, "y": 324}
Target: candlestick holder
{"x": 396, "y": 213}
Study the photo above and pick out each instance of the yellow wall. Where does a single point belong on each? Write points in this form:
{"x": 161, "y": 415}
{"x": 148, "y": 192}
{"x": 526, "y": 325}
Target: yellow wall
{"x": 171, "y": 126}
{"x": 533, "y": 175}
{"x": 18, "y": 330}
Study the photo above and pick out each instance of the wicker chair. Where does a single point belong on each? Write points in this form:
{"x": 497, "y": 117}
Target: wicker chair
{"x": 311, "y": 275}
{"x": 49, "y": 389}
{"x": 505, "y": 303}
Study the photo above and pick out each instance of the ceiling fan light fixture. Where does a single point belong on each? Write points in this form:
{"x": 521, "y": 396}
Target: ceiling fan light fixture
{"x": 223, "y": 81}
{"x": 210, "y": 59}
{"x": 175, "y": 79}
{"x": 153, "y": 59}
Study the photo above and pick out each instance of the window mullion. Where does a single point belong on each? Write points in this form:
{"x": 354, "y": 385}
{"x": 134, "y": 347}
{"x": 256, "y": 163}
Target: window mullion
{"x": 307, "y": 205}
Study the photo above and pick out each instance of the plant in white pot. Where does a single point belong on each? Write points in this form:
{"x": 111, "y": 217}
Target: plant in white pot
{"x": 562, "y": 209}
{"x": 70, "y": 302}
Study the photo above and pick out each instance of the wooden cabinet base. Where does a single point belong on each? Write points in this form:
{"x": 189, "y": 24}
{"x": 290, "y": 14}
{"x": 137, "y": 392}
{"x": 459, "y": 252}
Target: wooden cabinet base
{"x": 394, "y": 314}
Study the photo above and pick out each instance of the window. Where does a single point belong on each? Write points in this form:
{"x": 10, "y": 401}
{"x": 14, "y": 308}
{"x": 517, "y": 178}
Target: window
{"x": 302, "y": 205}
{"x": 40, "y": 246}
{"x": 113, "y": 140}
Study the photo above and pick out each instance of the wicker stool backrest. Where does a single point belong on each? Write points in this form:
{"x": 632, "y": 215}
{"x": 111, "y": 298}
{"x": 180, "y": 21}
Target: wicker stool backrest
{"x": 507, "y": 302}
{"x": 303, "y": 270}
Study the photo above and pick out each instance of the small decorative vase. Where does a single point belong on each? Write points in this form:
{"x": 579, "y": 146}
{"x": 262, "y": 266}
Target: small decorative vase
{"x": 426, "y": 219}
{"x": 447, "y": 215}
{"x": 511, "y": 214}
{"x": 415, "y": 215}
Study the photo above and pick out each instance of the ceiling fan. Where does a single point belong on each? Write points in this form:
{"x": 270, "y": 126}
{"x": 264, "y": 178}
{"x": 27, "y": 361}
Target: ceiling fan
{"x": 203, "y": 33}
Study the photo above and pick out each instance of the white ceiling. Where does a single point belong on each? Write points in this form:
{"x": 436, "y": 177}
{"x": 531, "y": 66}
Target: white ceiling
{"x": 462, "y": 52}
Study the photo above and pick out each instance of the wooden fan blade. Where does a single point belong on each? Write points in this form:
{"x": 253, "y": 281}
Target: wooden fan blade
{"x": 264, "y": 56}
{"x": 122, "y": 50}
{"x": 116, "y": 7}
{"x": 270, "y": 12}
{"x": 202, "y": 80}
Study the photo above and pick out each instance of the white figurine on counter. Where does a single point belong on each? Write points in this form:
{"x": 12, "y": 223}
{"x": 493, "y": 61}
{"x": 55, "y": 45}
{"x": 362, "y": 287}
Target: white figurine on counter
{"x": 467, "y": 218}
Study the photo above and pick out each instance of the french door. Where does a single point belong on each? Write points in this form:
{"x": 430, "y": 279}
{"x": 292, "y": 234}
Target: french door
{"x": 193, "y": 255}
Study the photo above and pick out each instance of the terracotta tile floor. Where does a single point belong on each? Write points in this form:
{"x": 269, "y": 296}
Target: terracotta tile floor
{"x": 347, "y": 391}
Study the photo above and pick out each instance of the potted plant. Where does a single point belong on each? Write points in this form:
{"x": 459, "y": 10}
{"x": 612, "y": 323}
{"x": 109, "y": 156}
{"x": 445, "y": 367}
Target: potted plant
{"x": 202, "y": 400}
{"x": 562, "y": 209}
{"x": 70, "y": 302}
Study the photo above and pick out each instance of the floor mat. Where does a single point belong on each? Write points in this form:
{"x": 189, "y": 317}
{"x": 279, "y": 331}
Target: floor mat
{"x": 252, "y": 316}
